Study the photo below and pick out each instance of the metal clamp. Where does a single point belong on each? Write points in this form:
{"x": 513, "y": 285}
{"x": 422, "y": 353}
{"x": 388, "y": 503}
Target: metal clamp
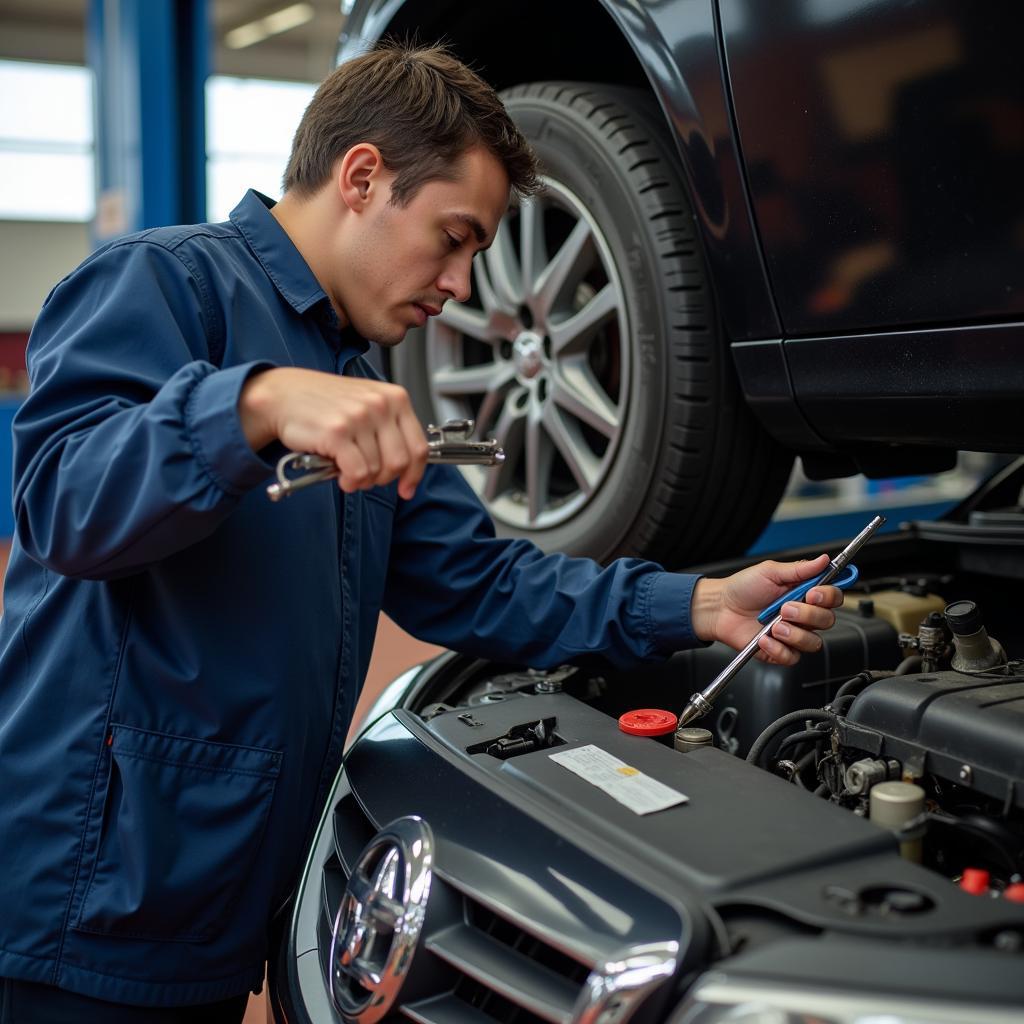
{"x": 449, "y": 443}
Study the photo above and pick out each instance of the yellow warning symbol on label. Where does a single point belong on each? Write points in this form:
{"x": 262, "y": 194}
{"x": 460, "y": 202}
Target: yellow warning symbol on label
{"x": 626, "y": 770}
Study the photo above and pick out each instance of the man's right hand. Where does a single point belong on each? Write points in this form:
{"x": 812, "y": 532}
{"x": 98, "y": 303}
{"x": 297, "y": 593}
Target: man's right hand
{"x": 367, "y": 427}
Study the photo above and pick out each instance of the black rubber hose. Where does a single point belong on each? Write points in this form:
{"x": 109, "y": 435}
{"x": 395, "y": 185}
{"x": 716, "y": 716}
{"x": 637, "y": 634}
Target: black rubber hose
{"x": 802, "y": 765}
{"x": 780, "y": 725}
{"x": 860, "y": 682}
{"x": 909, "y": 664}
{"x": 808, "y": 736}
{"x": 842, "y": 704}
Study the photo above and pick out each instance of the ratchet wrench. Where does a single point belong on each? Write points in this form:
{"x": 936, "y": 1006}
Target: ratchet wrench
{"x": 700, "y": 703}
{"x": 447, "y": 443}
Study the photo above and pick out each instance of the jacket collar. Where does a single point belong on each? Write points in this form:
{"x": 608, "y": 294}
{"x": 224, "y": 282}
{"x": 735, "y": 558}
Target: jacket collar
{"x": 276, "y": 251}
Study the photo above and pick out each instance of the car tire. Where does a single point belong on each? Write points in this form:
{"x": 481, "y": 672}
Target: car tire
{"x": 602, "y": 369}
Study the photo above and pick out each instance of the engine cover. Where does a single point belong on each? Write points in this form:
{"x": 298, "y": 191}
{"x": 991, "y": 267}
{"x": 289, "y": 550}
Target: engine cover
{"x": 965, "y": 729}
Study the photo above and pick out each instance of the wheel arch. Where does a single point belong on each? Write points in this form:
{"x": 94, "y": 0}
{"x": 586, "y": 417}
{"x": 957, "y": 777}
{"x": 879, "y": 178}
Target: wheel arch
{"x": 504, "y": 58}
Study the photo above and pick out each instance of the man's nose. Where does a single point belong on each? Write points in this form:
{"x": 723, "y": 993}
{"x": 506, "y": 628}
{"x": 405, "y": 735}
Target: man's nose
{"x": 456, "y": 281}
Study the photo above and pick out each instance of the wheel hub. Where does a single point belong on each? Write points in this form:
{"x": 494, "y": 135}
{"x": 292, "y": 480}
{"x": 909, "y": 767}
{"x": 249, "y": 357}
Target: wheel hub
{"x": 528, "y": 355}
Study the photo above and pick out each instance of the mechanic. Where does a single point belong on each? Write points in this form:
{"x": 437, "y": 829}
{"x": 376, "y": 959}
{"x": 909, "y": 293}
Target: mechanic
{"x": 179, "y": 656}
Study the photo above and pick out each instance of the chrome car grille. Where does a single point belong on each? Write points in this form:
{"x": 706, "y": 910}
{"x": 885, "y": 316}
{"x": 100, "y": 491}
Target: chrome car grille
{"x": 487, "y": 967}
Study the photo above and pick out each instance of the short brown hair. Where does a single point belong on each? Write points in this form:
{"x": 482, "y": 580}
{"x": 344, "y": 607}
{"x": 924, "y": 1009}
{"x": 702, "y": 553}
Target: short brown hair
{"x": 421, "y": 107}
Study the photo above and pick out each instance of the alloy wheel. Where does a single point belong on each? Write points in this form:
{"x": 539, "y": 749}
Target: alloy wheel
{"x": 540, "y": 358}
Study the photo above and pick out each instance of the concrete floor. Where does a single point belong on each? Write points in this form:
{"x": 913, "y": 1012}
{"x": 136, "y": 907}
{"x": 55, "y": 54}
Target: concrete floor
{"x": 393, "y": 652}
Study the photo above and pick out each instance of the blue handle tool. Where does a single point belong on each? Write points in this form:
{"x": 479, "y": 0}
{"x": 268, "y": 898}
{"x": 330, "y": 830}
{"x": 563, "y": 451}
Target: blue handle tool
{"x": 700, "y": 703}
{"x": 845, "y": 579}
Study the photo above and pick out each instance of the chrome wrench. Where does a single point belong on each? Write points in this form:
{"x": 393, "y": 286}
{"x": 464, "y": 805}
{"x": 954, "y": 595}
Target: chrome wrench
{"x": 449, "y": 443}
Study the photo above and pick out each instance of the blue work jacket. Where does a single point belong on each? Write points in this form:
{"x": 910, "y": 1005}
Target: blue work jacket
{"x": 179, "y": 656}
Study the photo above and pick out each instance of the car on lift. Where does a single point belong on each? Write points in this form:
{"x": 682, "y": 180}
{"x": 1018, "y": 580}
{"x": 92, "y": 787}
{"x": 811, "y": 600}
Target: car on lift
{"x": 769, "y": 231}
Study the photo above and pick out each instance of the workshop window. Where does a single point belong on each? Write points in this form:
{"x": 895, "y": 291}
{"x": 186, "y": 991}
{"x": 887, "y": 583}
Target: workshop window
{"x": 47, "y": 162}
{"x": 249, "y": 127}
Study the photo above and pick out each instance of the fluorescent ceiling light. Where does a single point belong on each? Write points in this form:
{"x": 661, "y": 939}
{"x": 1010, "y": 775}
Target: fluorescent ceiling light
{"x": 274, "y": 24}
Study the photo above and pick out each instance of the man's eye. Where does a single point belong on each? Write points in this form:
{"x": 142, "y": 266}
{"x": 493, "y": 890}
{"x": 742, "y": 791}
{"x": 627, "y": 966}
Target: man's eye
{"x": 453, "y": 241}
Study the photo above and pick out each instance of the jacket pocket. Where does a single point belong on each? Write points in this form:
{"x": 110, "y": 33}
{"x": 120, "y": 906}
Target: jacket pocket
{"x": 182, "y": 825}
{"x": 370, "y": 547}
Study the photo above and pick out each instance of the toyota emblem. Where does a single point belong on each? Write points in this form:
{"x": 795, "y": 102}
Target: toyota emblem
{"x": 380, "y": 919}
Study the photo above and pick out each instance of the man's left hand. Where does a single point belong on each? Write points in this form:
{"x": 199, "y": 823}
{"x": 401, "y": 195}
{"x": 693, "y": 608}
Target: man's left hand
{"x": 727, "y": 609}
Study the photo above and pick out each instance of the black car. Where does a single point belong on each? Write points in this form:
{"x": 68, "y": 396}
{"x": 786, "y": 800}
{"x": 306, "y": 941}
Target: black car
{"x": 770, "y": 230}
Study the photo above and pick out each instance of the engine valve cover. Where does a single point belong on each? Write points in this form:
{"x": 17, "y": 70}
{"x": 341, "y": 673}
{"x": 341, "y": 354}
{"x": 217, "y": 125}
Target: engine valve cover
{"x": 964, "y": 729}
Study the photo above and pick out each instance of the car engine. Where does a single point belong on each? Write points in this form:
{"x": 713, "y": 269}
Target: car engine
{"x": 941, "y": 731}
{"x": 856, "y": 816}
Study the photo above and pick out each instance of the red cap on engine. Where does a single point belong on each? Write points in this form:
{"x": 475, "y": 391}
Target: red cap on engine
{"x": 648, "y": 722}
{"x": 974, "y": 880}
{"x": 1015, "y": 892}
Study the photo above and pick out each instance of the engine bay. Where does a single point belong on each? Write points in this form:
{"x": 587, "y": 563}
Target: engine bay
{"x": 851, "y": 823}
{"x": 912, "y": 717}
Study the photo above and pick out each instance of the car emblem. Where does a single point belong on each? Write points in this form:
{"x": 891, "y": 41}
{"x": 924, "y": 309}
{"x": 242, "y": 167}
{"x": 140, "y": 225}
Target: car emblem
{"x": 380, "y": 919}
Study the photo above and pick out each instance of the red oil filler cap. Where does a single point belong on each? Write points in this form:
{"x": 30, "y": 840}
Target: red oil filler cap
{"x": 648, "y": 722}
{"x": 1014, "y": 892}
{"x": 974, "y": 880}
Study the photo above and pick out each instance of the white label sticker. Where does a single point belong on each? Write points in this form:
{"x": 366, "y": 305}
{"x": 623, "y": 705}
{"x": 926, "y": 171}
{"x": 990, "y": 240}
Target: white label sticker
{"x": 628, "y": 785}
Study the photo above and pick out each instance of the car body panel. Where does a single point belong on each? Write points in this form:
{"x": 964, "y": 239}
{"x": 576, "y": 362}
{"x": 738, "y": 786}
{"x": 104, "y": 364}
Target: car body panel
{"x": 885, "y": 164}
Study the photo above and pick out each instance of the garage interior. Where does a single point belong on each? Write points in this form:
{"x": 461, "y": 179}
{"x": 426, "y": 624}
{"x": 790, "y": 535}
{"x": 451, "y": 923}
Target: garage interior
{"x": 269, "y": 55}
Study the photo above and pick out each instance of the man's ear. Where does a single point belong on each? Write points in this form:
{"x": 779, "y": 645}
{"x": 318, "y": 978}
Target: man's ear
{"x": 359, "y": 174}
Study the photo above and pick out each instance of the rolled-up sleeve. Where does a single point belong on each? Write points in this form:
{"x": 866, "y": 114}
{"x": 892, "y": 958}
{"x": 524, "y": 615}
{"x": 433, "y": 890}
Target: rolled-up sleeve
{"x": 452, "y": 581}
{"x": 129, "y": 446}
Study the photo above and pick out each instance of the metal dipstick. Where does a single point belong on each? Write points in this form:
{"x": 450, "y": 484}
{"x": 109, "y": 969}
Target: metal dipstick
{"x": 700, "y": 703}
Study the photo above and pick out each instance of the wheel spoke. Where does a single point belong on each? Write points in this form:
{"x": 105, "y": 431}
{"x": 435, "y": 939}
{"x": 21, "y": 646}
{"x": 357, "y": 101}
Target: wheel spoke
{"x": 539, "y": 452}
{"x": 472, "y": 380}
{"x": 490, "y": 408}
{"x": 503, "y": 268}
{"x": 488, "y": 296}
{"x": 575, "y": 332}
{"x": 584, "y": 467}
{"x": 509, "y": 432}
{"x": 580, "y": 395}
{"x": 504, "y": 325}
{"x": 531, "y": 242}
{"x": 575, "y": 256}
{"x": 466, "y": 320}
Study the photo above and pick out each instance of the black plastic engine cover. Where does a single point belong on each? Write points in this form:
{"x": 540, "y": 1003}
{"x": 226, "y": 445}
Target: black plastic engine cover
{"x": 761, "y": 693}
{"x": 964, "y": 729}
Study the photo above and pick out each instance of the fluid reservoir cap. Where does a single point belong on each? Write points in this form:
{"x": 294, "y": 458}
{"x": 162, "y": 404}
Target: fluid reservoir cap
{"x": 963, "y": 617}
{"x": 648, "y": 722}
{"x": 974, "y": 880}
{"x": 892, "y": 804}
{"x": 1015, "y": 892}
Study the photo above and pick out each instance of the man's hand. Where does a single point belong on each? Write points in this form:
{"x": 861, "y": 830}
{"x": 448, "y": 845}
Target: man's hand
{"x": 366, "y": 426}
{"x": 727, "y": 609}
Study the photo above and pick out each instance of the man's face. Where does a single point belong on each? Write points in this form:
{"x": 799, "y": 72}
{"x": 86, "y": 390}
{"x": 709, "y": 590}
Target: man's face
{"x": 403, "y": 263}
